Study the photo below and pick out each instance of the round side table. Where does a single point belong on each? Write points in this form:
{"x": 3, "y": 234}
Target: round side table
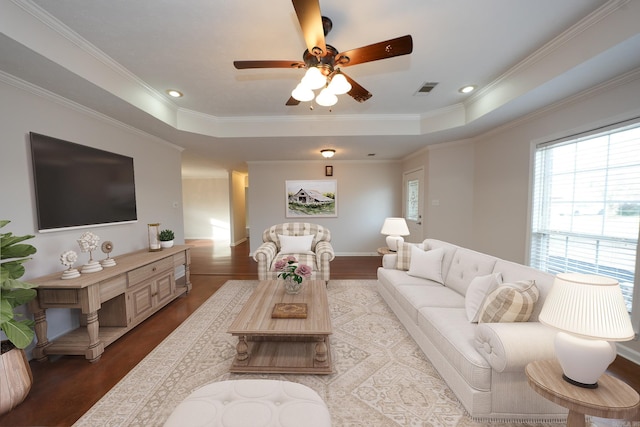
{"x": 612, "y": 399}
{"x": 385, "y": 250}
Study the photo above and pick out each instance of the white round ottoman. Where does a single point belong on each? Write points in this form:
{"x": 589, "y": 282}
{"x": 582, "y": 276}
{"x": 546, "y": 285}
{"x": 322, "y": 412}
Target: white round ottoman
{"x": 251, "y": 403}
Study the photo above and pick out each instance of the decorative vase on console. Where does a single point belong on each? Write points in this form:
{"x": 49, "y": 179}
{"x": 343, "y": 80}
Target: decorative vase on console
{"x": 292, "y": 274}
{"x": 88, "y": 243}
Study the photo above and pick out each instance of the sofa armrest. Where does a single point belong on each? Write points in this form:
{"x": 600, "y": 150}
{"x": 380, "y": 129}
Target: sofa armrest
{"x": 508, "y": 347}
{"x": 390, "y": 261}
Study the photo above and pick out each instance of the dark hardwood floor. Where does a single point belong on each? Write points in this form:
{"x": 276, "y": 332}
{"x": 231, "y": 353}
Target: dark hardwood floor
{"x": 66, "y": 387}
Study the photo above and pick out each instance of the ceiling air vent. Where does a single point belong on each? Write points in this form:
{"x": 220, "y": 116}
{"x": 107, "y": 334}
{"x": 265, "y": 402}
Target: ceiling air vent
{"x": 426, "y": 88}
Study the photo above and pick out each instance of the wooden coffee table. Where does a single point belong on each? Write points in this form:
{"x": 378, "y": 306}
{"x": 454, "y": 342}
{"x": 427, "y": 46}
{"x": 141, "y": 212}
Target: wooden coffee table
{"x": 276, "y": 345}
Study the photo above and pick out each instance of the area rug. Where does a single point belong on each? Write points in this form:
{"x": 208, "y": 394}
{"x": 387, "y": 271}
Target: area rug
{"x": 381, "y": 378}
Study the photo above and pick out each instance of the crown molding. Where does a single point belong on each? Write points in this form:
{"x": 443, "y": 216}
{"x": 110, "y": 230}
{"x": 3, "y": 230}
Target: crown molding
{"x": 71, "y": 105}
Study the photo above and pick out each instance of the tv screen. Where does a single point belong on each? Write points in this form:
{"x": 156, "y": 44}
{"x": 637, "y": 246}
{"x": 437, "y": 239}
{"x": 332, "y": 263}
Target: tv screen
{"x": 77, "y": 186}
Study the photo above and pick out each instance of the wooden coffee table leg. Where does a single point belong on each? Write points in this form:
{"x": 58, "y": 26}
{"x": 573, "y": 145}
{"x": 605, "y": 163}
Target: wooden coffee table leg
{"x": 321, "y": 351}
{"x": 242, "y": 348}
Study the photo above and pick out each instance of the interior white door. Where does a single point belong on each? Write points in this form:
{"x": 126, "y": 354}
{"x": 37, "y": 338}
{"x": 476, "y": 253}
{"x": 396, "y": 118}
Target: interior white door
{"x": 413, "y": 205}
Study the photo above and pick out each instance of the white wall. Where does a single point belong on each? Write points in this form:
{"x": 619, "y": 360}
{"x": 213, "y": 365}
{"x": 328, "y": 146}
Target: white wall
{"x": 206, "y": 208}
{"x": 157, "y": 176}
{"x": 367, "y": 193}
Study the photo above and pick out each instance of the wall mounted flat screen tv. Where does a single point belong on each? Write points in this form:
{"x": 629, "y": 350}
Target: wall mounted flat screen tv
{"x": 79, "y": 186}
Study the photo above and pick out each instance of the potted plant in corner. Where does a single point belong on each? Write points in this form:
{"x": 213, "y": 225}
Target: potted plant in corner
{"x": 14, "y": 366}
{"x": 166, "y": 238}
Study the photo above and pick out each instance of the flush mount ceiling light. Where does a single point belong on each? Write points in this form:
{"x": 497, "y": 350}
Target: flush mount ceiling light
{"x": 327, "y": 153}
{"x": 467, "y": 89}
{"x": 174, "y": 93}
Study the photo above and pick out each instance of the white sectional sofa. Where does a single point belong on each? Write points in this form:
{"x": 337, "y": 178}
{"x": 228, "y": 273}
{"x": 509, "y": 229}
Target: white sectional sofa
{"x": 483, "y": 363}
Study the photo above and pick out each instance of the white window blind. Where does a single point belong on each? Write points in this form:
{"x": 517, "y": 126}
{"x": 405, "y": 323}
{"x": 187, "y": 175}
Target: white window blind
{"x": 586, "y": 206}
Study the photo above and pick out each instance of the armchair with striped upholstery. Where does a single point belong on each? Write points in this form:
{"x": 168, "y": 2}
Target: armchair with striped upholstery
{"x": 318, "y": 257}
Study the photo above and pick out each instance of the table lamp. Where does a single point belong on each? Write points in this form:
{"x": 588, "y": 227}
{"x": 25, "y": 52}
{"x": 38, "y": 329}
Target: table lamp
{"x": 590, "y": 314}
{"x": 394, "y": 229}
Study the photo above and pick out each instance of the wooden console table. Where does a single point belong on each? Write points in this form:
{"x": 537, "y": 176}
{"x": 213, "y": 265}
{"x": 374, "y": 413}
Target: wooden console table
{"x": 112, "y": 301}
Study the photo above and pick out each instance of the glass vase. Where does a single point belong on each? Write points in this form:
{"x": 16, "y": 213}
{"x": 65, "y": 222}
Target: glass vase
{"x": 291, "y": 287}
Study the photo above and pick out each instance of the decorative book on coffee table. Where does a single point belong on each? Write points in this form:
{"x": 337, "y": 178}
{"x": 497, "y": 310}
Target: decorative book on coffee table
{"x": 291, "y": 310}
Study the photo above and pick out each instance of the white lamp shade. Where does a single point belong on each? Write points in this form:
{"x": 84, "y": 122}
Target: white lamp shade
{"x": 302, "y": 93}
{"x": 395, "y": 227}
{"x": 326, "y": 98}
{"x": 339, "y": 84}
{"x": 313, "y": 79}
{"x": 588, "y": 306}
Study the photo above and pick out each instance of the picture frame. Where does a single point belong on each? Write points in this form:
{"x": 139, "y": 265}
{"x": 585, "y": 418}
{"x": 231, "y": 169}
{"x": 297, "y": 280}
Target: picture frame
{"x": 311, "y": 198}
{"x": 328, "y": 170}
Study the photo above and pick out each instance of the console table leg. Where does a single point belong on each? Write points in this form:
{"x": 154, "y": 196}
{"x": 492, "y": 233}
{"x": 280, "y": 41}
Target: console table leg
{"x": 96, "y": 347}
{"x": 40, "y": 318}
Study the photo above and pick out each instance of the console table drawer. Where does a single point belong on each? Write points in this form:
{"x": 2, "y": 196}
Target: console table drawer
{"x": 113, "y": 287}
{"x": 139, "y": 274}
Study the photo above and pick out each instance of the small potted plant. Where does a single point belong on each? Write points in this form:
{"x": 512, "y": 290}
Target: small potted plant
{"x": 19, "y": 332}
{"x": 166, "y": 238}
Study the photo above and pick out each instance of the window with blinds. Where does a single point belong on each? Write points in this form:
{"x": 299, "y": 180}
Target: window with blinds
{"x": 586, "y": 206}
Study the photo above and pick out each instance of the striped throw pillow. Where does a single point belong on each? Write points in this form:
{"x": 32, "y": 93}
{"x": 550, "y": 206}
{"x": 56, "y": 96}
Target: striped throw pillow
{"x": 510, "y": 302}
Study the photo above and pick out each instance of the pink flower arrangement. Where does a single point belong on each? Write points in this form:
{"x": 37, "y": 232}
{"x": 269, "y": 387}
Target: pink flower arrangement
{"x": 287, "y": 266}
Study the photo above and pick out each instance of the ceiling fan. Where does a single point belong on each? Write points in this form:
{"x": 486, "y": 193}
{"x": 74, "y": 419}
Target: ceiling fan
{"x": 326, "y": 59}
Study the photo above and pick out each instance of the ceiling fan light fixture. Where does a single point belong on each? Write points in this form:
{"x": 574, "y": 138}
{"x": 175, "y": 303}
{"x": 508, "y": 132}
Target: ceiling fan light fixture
{"x": 326, "y": 98}
{"x": 339, "y": 84}
{"x": 313, "y": 79}
{"x": 302, "y": 93}
{"x": 327, "y": 153}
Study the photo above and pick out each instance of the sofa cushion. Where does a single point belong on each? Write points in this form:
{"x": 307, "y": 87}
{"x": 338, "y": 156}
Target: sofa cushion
{"x": 465, "y": 265}
{"x": 477, "y": 292}
{"x": 426, "y": 264}
{"x": 454, "y": 337}
{"x": 412, "y": 298}
{"x": 510, "y": 302}
{"x": 295, "y": 244}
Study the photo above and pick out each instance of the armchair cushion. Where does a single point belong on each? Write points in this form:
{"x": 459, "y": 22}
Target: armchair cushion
{"x": 295, "y": 244}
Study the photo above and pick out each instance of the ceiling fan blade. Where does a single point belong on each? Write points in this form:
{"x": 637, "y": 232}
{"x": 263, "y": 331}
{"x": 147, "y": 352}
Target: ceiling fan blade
{"x": 292, "y": 102}
{"x": 310, "y": 19}
{"x": 241, "y": 65}
{"x": 357, "y": 92}
{"x": 374, "y": 52}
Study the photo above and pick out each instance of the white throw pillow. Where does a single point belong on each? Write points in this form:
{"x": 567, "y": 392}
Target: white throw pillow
{"x": 477, "y": 292}
{"x": 426, "y": 264}
{"x": 295, "y": 244}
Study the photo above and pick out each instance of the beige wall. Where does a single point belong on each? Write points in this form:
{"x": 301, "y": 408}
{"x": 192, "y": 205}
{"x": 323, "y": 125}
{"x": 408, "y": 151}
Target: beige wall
{"x": 157, "y": 176}
{"x": 238, "y": 186}
{"x": 367, "y": 193}
{"x": 206, "y": 208}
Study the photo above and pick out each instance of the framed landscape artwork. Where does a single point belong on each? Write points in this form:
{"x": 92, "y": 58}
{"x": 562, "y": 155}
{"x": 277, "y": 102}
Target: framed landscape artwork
{"x": 314, "y": 198}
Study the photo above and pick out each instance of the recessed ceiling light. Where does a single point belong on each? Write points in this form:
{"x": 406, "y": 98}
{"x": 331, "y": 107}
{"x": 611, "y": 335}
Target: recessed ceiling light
{"x": 467, "y": 89}
{"x": 174, "y": 93}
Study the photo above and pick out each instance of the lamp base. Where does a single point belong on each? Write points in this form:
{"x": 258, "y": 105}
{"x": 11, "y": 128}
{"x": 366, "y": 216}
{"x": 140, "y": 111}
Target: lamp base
{"x": 583, "y": 360}
{"x": 579, "y": 384}
{"x": 393, "y": 242}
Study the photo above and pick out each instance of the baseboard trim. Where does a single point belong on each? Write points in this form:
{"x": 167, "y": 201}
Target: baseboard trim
{"x": 628, "y": 353}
